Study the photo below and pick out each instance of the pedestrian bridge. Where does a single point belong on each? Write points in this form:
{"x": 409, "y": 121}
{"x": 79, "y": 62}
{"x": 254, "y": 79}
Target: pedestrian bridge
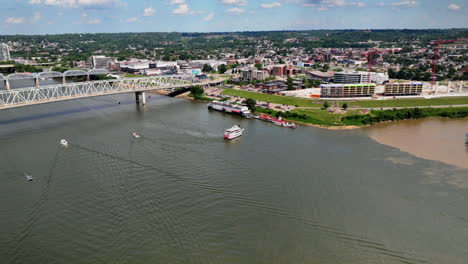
{"x": 68, "y": 91}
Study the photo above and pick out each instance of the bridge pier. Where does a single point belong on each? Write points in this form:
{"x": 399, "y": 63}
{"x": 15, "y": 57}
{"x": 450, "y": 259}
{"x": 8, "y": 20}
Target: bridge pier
{"x": 7, "y": 85}
{"x": 37, "y": 82}
{"x": 64, "y": 80}
{"x": 140, "y": 97}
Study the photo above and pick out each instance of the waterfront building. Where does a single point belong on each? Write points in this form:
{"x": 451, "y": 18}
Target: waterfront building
{"x": 401, "y": 89}
{"x": 347, "y": 90}
{"x": 4, "y": 52}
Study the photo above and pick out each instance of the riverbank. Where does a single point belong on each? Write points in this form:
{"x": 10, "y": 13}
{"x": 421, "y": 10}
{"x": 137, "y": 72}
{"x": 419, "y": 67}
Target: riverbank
{"x": 344, "y": 119}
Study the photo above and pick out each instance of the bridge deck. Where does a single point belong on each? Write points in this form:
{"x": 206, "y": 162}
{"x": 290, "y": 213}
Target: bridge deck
{"x": 62, "y": 92}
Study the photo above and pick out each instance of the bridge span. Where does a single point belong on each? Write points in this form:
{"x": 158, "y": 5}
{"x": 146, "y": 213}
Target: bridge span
{"x": 68, "y": 91}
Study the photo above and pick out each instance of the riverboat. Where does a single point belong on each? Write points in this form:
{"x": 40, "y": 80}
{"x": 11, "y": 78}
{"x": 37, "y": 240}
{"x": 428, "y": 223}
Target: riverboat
{"x": 230, "y": 108}
{"x": 29, "y": 177}
{"x": 277, "y": 122}
{"x": 233, "y": 132}
{"x": 64, "y": 143}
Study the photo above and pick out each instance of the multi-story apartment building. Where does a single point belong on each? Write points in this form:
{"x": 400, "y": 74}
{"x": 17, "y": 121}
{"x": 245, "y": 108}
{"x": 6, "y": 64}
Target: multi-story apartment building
{"x": 393, "y": 89}
{"x": 347, "y": 90}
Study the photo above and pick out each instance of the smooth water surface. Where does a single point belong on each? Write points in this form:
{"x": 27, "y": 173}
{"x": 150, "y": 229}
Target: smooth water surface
{"x": 181, "y": 194}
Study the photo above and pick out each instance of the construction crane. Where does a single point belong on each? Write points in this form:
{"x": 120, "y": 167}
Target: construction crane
{"x": 369, "y": 55}
{"x": 436, "y": 56}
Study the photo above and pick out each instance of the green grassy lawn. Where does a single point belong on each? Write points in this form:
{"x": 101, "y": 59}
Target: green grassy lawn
{"x": 410, "y": 102}
{"x": 322, "y": 117}
{"x": 313, "y": 116}
{"x": 277, "y": 99}
{"x": 131, "y": 75}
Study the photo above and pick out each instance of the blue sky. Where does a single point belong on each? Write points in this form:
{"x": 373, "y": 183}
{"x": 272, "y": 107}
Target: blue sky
{"x": 78, "y": 16}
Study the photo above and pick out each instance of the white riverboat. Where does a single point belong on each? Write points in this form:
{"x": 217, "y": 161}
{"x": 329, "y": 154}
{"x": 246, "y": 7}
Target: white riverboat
{"x": 233, "y": 132}
{"x": 29, "y": 177}
{"x": 230, "y": 108}
{"x": 64, "y": 143}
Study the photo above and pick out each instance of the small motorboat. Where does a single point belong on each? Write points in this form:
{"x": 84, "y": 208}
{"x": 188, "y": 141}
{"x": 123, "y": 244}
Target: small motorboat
{"x": 29, "y": 177}
{"x": 64, "y": 143}
{"x": 233, "y": 132}
{"x": 290, "y": 125}
{"x": 135, "y": 135}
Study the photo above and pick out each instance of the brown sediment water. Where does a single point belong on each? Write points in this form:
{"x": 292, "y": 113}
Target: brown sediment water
{"x": 435, "y": 138}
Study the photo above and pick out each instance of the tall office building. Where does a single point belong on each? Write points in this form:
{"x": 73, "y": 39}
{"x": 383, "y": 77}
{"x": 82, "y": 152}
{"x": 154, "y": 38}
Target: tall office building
{"x": 4, "y": 52}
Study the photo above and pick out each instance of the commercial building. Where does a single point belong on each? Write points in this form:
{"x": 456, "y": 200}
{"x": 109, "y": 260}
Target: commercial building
{"x": 4, "y": 52}
{"x": 99, "y": 62}
{"x": 360, "y": 77}
{"x": 134, "y": 66}
{"x": 400, "y": 89}
{"x": 347, "y": 90}
{"x": 273, "y": 85}
{"x": 251, "y": 74}
{"x": 322, "y": 76}
{"x": 199, "y": 64}
{"x": 351, "y": 77}
{"x": 282, "y": 70}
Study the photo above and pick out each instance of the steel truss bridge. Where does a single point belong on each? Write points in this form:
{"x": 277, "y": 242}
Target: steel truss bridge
{"x": 37, "y": 77}
{"x": 60, "y": 92}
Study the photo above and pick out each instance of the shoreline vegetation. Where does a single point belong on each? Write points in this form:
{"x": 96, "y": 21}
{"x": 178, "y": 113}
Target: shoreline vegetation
{"x": 312, "y": 113}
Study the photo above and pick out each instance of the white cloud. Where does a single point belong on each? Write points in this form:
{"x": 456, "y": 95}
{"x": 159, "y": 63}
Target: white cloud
{"x": 236, "y": 10}
{"x": 148, "y": 11}
{"x": 341, "y": 3}
{"x": 209, "y": 17}
{"x": 326, "y": 4}
{"x": 36, "y": 17}
{"x": 132, "y": 20}
{"x": 14, "y": 20}
{"x": 177, "y": 2}
{"x": 235, "y": 2}
{"x": 82, "y": 3}
{"x": 272, "y": 5}
{"x": 84, "y": 15}
{"x": 34, "y": 2}
{"x": 182, "y": 10}
{"x": 454, "y": 7}
{"x": 91, "y": 21}
{"x": 405, "y": 3}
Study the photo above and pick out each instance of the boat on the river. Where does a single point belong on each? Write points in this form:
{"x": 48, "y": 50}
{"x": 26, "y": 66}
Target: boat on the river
{"x": 29, "y": 177}
{"x": 135, "y": 135}
{"x": 64, "y": 143}
{"x": 230, "y": 108}
{"x": 278, "y": 122}
{"x": 233, "y": 132}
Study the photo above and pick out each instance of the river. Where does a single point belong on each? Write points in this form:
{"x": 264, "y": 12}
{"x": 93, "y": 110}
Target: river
{"x": 181, "y": 194}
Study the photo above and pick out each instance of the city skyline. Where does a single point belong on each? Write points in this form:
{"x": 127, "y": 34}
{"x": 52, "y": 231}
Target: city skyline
{"x": 95, "y": 16}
